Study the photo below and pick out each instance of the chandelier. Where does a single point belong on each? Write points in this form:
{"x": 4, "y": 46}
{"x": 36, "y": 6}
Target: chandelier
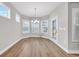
{"x": 35, "y": 18}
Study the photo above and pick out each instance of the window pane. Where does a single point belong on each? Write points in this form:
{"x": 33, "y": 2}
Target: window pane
{"x": 4, "y": 11}
{"x": 35, "y": 26}
{"x": 44, "y": 26}
{"x": 26, "y": 26}
{"x": 17, "y": 18}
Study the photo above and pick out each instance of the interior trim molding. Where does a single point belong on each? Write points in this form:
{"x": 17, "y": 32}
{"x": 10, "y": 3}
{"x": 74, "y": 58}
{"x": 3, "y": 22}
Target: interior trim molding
{"x": 73, "y": 51}
{"x": 57, "y": 44}
{"x": 60, "y": 46}
{"x": 5, "y": 49}
{"x": 66, "y": 50}
{"x": 20, "y": 38}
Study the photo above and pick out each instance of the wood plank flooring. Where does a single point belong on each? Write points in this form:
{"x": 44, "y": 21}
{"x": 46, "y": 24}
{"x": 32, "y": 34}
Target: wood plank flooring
{"x": 36, "y": 47}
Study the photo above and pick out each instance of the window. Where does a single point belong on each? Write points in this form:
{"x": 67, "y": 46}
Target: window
{"x": 75, "y": 24}
{"x": 17, "y": 18}
{"x": 26, "y": 26}
{"x": 4, "y": 10}
{"x": 35, "y": 26}
{"x": 44, "y": 26}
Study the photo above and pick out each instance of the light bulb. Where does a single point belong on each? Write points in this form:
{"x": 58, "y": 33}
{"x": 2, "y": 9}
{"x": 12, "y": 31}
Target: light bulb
{"x": 32, "y": 21}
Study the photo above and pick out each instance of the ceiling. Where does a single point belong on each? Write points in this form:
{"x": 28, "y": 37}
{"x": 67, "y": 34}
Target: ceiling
{"x": 43, "y": 8}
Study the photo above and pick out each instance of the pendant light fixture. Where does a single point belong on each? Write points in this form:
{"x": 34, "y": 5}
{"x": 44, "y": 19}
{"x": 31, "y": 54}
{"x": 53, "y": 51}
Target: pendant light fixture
{"x": 35, "y": 18}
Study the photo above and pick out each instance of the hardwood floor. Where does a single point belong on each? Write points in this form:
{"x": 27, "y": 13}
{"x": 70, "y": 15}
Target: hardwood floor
{"x": 36, "y": 47}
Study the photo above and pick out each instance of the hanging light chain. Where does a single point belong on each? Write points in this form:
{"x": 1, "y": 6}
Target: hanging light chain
{"x": 35, "y": 13}
{"x": 35, "y": 21}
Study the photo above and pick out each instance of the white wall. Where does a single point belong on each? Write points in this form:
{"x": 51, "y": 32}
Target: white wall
{"x": 10, "y": 31}
{"x": 62, "y": 13}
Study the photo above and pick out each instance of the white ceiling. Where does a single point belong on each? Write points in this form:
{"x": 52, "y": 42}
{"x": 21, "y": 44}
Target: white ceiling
{"x": 43, "y": 8}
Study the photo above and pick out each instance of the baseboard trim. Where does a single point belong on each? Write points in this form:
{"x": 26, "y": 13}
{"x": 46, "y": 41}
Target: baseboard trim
{"x": 7, "y": 48}
{"x": 57, "y": 44}
{"x": 64, "y": 49}
{"x": 67, "y": 51}
{"x": 74, "y": 52}
{"x": 20, "y": 38}
{"x": 60, "y": 46}
{"x": 1, "y": 52}
{"x": 45, "y": 37}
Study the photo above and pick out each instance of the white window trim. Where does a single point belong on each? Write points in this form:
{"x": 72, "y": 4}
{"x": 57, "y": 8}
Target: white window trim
{"x": 17, "y": 15}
